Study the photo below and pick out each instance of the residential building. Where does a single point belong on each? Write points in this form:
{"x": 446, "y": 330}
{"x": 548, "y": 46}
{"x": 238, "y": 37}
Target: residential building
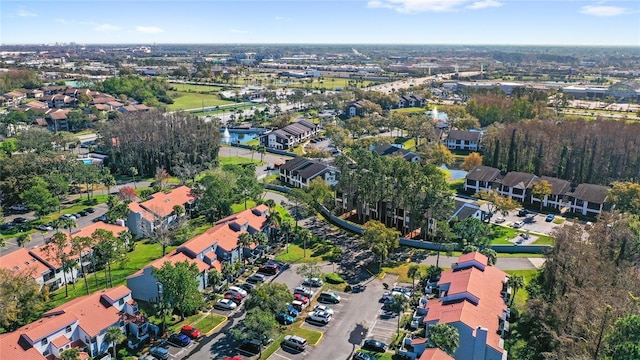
{"x": 133, "y": 108}
{"x": 517, "y": 185}
{"x": 57, "y": 120}
{"x": 465, "y": 209}
{"x": 299, "y": 172}
{"x": 557, "y": 199}
{"x": 80, "y": 323}
{"x": 482, "y": 178}
{"x": 290, "y": 135}
{"x": 208, "y": 251}
{"x": 14, "y": 97}
{"x": 158, "y": 210}
{"x": 395, "y": 149}
{"x": 24, "y": 262}
{"x": 472, "y": 298}
{"x": 464, "y": 140}
{"x": 357, "y": 108}
{"x": 588, "y": 199}
{"x": 406, "y": 101}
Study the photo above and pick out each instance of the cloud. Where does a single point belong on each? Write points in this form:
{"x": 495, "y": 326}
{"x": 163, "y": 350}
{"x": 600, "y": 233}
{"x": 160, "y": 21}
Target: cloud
{"x": 602, "y": 10}
{"x": 26, "y": 13}
{"x": 281, "y": 18}
{"x": 236, "y": 31}
{"x": 413, "y": 6}
{"x": 107, "y": 27}
{"x": 484, "y": 4}
{"x": 149, "y": 29}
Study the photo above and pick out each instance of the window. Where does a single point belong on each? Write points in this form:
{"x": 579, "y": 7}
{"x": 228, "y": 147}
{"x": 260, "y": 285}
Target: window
{"x": 68, "y": 329}
{"x": 121, "y": 302}
{"x": 45, "y": 341}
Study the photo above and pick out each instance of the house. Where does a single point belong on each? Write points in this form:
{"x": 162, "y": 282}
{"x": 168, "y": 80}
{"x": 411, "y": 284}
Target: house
{"x": 299, "y": 172}
{"x": 482, "y": 178}
{"x": 588, "y": 199}
{"x": 517, "y": 185}
{"x": 472, "y": 298}
{"x": 467, "y": 209}
{"x": 357, "y": 108}
{"x": 290, "y": 135}
{"x": 34, "y": 93}
{"x": 14, "y": 97}
{"x": 158, "y": 210}
{"x": 57, "y": 120}
{"x": 557, "y": 199}
{"x": 133, "y": 108}
{"x": 464, "y": 140}
{"x": 35, "y": 105}
{"x": 80, "y": 323}
{"x": 23, "y": 261}
{"x": 53, "y": 89}
{"x": 406, "y": 101}
{"x": 208, "y": 251}
{"x": 388, "y": 149}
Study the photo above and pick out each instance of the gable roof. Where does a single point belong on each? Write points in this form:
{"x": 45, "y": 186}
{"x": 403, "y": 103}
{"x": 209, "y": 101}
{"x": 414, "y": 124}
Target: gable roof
{"x": 90, "y": 229}
{"x": 558, "y": 186}
{"x": 596, "y": 194}
{"x": 465, "y": 135}
{"x": 176, "y": 257}
{"x": 515, "y": 178}
{"x": 23, "y": 260}
{"x": 162, "y": 203}
{"x": 294, "y": 163}
{"x": 483, "y": 173}
{"x": 435, "y": 354}
{"x": 464, "y": 209}
{"x": 12, "y": 347}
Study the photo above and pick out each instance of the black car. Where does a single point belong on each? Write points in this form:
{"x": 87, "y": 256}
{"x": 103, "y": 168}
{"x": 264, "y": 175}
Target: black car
{"x": 374, "y": 345}
{"x": 90, "y": 210}
{"x": 19, "y": 220}
{"x": 83, "y": 213}
{"x": 268, "y": 269}
{"x": 247, "y": 287}
{"x": 523, "y": 212}
{"x": 362, "y": 356}
{"x": 6, "y": 226}
{"x": 529, "y": 220}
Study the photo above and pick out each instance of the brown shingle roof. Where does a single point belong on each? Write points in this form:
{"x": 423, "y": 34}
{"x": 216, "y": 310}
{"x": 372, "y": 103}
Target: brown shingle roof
{"x": 521, "y": 179}
{"x": 596, "y": 194}
{"x": 464, "y": 135}
{"x": 558, "y": 186}
{"x": 483, "y": 173}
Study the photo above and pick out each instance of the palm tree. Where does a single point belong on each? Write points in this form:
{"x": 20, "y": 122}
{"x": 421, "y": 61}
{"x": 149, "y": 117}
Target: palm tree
{"x": 78, "y": 245}
{"x": 399, "y": 305}
{"x": 413, "y": 272}
{"x": 515, "y": 282}
{"x": 262, "y": 150}
{"x": 285, "y": 229}
{"x": 260, "y": 238}
{"x": 70, "y": 354}
{"x": 163, "y": 310}
{"x": 273, "y": 223}
{"x": 114, "y": 335}
{"x": 133, "y": 172}
{"x": 445, "y": 337}
{"x": 305, "y": 236}
{"x": 66, "y": 223}
{"x": 244, "y": 240}
{"x": 23, "y": 238}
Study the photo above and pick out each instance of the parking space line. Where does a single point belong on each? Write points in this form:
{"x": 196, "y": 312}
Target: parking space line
{"x": 282, "y": 356}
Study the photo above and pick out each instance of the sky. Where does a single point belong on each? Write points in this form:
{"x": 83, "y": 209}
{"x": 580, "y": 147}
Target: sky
{"x": 470, "y": 22}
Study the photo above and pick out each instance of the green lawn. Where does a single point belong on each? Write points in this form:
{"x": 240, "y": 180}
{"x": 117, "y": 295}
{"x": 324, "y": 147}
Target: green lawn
{"x": 521, "y": 296}
{"x": 195, "y": 88}
{"x": 238, "y": 160}
{"x": 175, "y": 326}
{"x": 412, "y": 110}
{"x": 143, "y": 254}
{"x": 209, "y": 322}
{"x": 295, "y": 254}
{"x": 186, "y": 100}
{"x": 377, "y": 355}
{"x": 501, "y": 234}
{"x": 253, "y": 142}
{"x": 236, "y": 208}
{"x": 313, "y": 337}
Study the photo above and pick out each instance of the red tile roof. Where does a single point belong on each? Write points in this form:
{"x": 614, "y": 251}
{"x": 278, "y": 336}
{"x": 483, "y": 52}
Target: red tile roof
{"x": 10, "y": 348}
{"x": 46, "y": 326}
{"x": 116, "y": 293}
{"x": 162, "y": 203}
{"x": 435, "y": 354}
{"x": 89, "y": 230}
{"x": 136, "y": 208}
{"x": 60, "y": 341}
{"x": 22, "y": 260}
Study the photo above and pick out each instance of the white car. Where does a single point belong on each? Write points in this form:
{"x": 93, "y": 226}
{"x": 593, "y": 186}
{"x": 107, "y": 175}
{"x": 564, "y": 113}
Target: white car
{"x": 303, "y": 291}
{"x": 314, "y": 282}
{"x": 225, "y": 304}
{"x": 238, "y": 291}
{"x": 324, "y": 308}
{"x": 320, "y": 316}
{"x": 43, "y": 227}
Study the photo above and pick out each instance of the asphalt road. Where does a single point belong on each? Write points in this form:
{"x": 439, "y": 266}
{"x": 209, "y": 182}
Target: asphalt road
{"x": 269, "y": 158}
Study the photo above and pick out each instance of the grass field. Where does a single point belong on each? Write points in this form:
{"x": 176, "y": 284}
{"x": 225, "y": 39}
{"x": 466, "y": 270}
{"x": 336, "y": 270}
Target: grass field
{"x": 186, "y": 100}
{"x": 236, "y": 208}
{"x": 209, "y": 322}
{"x": 411, "y": 110}
{"x": 295, "y": 254}
{"x": 195, "y": 88}
{"x": 521, "y": 295}
{"x": 238, "y": 160}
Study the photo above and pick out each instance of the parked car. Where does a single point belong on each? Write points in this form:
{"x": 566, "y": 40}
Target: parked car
{"x": 45, "y": 227}
{"x": 279, "y": 264}
{"x": 247, "y": 287}
{"x": 529, "y": 220}
{"x": 362, "y": 356}
{"x": 523, "y": 212}
{"x": 295, "y": 342}
{"x": 159, "y": 352}
{"x": 518, "y": 224}
{"x": 179, "y": 339}
{"x": 329, "y": 297}
{"x": 374, "y": 345}
{"x": 303, "y": 299}
{"x": 83, "y": 213}
{"x": 237, "y": 290}
{"x": 314, "y": 282}
{"x": 225, "y": 304}
{"x": 324, "y": 308}
{"x": 90, "y": 210}
{"x": 319, "y": 316}
{"x": 285, "y": 319}
{"x": 291, "y": 310}
{"x": 6, "y": 226}
{"x": 18, "y": 208}
{"x": 256, "y": 278}
{"x": 268, "y": 269}
{"x": 498, "y": 220}
{"x": 236, "y": 298}
{"x": 69, "y": 216}
{"x": 190, "y": 331}
{"x": 19, "y": 220}
{"x": 303, "y": 290}
{"x": 298, "y": 305}
{"x": 550, "y": 218}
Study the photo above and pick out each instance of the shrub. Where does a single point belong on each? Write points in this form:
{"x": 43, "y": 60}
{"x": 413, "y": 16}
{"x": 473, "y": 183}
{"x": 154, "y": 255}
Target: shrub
{"x": 347, "y": 288}
{"x": 334, "y": 278}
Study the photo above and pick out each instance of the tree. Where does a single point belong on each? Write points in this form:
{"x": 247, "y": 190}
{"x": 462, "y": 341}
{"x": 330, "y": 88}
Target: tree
{"x": 115, "y": 336}
{"x": 319, "y": 191}
{"x": 35, "y": 139}
{"x": 215, "y": 278}
{"x": 472, "y": 160}
{"x": 108, "y": 180}
{"x": 271, "y": 297}
{"x": 56, "y": 253}
{"x": 70, "y": 354}
{"x": 258, "y": 324}
{"x": 623, "y": 342}
{"x": 39, "y": 199}
{"x": 161, "y": 177}
{"x": 399, "y": 304}
{"x": 491, "y": 255}
{"x": 413, "y": 272}
{"x": 309, "y": 270}
{"x": 515, "y": 282}
{"x": 108, "y": 250}
{"x": 625, "y": 196}
{"x": 214, "y": 195}
{"x": 497, "y": 202}
{"x": 21, "y": 298}
{"x": 244, "y": 241}
{"x": 23, "y": 238}
{"x": 380, "y": 239}
{"x": 474, "y": 231}
{"x": 180, "y": 286}
{"x": 64, "y": 223}
{"x": 540, "y": 189}
{"x": 78, "y": 245}
{"x": 133, "y": 172}
{"x": 445, "y": 337}
{"x": 127, "y": 194}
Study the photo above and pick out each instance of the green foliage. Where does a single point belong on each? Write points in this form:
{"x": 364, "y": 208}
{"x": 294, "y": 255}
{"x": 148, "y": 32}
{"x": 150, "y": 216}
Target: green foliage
{"x": 70, "y": 354}
{"x": 21, "y": 298}
{"x": 180, "y": 286}
{"x": 309, "y": 270}
{"x": 259, "y": 324}
{"x": 35, "y": 139}
{"x": 474, "y": 231}
{"x": 38, "y": 198}
{"x": 623, "y": 342}
{"x": 271, "y": 297}
{"x": 334, "y": 278}
{"x": 138, "y": 88}
{"x": 445, "y": 337}
{"x": 626, "y": 197}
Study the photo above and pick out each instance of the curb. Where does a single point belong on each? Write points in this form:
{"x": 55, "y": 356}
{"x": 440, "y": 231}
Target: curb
{"x": 217, "y": 326}
{"x": 320, "y": 338}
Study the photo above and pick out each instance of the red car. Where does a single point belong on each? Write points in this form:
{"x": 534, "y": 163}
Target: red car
{"x": 233, "y": 297}
{"x": 190, "y": 331}
{"x": 302, "y": 298}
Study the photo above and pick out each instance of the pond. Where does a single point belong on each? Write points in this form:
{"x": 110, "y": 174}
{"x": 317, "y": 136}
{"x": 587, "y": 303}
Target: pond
{"x": 455, "y": 174}
{"x": 232, "y": 137}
